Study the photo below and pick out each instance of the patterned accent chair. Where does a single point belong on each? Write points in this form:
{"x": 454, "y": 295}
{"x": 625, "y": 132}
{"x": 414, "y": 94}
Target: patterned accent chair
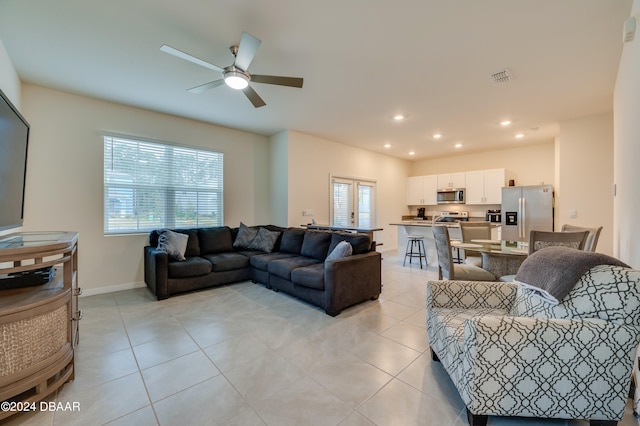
{"x": 511, "y": 353}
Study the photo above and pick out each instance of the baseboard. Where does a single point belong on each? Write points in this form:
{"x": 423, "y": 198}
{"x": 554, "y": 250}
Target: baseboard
{"x": 111, "y": 288}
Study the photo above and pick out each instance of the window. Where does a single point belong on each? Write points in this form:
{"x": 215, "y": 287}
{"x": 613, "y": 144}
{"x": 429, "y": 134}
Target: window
{"x": 352, "y": 203}
{"x": 149, "y": 185}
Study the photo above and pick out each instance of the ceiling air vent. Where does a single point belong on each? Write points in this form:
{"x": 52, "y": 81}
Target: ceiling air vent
{"x": 502, "y": 76}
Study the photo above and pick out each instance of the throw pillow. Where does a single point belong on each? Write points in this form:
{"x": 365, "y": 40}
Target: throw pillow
{"x": 245, "y": 236}
{"x": 265, "y": 240}
{"x": 173, "y": 243}
{"x": 343, "y": 249}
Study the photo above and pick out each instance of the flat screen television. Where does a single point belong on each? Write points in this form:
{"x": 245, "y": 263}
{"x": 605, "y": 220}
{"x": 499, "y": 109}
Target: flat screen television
{"x": 14, "y": 141}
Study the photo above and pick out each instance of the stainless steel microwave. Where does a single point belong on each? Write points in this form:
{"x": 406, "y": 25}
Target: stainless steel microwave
{"x": 451, "y": 196}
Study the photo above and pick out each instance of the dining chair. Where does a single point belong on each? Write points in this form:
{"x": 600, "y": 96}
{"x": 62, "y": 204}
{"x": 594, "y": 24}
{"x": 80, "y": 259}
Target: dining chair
{"x": 447, "y": 269}
{"x": 542, "y": 239}
{"x": 474, "y": 231}
{"x": 592, "y": 239}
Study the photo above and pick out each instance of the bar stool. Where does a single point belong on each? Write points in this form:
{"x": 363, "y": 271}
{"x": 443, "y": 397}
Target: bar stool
{"x": 417, "y": 242}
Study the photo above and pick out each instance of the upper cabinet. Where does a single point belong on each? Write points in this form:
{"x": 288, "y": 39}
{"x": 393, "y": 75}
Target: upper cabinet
{"x": 484, "y": 186}
{"x": 422, "y": 190}
{"x": 451, "y": 180}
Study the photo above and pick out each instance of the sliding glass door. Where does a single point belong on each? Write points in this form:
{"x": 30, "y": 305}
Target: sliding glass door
{"x": 352, "y": 203}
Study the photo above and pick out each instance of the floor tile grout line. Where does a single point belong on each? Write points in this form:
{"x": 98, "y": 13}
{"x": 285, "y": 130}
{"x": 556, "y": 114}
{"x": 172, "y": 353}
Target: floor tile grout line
{"x": 135, "y": 357}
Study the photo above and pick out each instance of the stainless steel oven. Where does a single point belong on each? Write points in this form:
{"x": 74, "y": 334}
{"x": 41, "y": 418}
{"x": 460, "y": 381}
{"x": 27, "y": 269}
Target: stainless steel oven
{"x": 451, "y": 196}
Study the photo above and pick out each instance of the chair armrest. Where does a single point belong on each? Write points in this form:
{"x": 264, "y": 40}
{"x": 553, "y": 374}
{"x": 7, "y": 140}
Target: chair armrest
{"x": 156, "y": 271}
{"x": 350, "y": 280}
{"x": 470, "y": 294}
{"x": 532, "y": 366}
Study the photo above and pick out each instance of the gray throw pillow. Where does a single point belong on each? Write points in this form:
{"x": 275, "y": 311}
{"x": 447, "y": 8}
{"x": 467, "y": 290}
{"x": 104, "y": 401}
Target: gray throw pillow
{"x": 245, "y": 236}
{"x": 173, "y": 243}
{"x": 343, "y": 249}
{"x": 265, "y": 240}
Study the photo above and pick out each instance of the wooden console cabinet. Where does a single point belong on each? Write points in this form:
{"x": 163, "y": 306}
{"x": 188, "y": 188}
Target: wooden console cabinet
{"x": 38, "y": 324}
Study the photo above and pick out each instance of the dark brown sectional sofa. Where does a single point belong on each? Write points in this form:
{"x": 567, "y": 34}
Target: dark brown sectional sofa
{"x": 296, "y": 265}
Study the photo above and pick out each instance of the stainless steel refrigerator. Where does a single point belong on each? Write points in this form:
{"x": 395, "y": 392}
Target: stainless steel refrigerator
{"x": 525, "y": 208}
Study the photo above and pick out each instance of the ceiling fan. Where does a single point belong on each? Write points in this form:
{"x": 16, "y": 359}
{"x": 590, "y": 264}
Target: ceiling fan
{"x": 237, "y": 75}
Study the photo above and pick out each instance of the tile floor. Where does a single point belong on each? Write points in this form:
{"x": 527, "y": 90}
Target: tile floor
{"x": 245, "y": 355}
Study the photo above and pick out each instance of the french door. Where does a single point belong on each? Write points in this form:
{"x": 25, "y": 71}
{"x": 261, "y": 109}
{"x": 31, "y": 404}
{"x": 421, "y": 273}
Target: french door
{"x": 353, "y": 202}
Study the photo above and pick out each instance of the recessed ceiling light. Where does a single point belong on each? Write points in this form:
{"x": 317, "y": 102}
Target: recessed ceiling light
{"x": 387, "y": 145}
{"x": 505, "y": 123}
{"x": 437, "y": 135}
{"x": 458, "y": 145}
{"x": 412, "y": 153}
{"x": 398, "y": 117}
{"x": 519, "y": 136}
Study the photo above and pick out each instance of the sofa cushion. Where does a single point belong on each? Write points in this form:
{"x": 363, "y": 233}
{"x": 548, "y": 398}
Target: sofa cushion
{"x": 361, "y": 243}
{"x": 249, "y": 253}
{"x": 309, "y": 276}
{"x": 227, "y": 261}
{"x": 604, "y": 292}
{"x": 343, "y": 249}
{"x": 215, "y": 240}
{"x": 193, "y": 246}
{"x": 292, "y": 239}
{"x": 174, "y": 244}
{"x": 283, "y": 267}
{"x": 316, "y": 244}
{"x": 265, "y": 240}
{"x": 191, "y": 267}
{"x": 245, "y": 236}
{"x": 261, "y": 260}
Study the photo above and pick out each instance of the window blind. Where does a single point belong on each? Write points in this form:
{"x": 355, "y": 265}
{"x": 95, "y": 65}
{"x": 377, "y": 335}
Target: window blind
{"x": 149, "y": 185}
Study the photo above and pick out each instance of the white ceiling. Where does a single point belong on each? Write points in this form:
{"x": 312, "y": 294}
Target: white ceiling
{"x": 363, "y": 61}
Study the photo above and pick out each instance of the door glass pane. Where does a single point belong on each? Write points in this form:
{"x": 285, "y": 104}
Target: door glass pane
{"x": 342, "y": 204}
{"x": 365, "y": 206}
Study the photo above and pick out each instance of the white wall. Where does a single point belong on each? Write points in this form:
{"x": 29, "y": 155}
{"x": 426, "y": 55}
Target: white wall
{"x": 626, "y": 105}
{"x": 312, "y": 160}
{"x": 526, "y": 164}
{"x": 9, "y": 80}
{"x": 585, "y": 176}
{"x": 279, "y": 183}
{"x": 65, "y": 176}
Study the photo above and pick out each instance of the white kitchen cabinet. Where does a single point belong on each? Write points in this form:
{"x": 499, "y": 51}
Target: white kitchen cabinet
{"x": 493, "y": 182}
{"x": 475, "y": 187}
{"x": 484, "y": 186}
{"x": 422, "y": 190}
{"x": 451, "y": 180}
{"x": 414, "y": 191}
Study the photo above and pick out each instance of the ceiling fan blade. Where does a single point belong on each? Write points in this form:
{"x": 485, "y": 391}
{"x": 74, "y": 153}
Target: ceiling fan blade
{"x": 255, "y": 99}
{"x": 207, "y": 86}
{"x": 180, "y": 54}
{"x": 246, "y": 51}
{"x": 280, "y": 81}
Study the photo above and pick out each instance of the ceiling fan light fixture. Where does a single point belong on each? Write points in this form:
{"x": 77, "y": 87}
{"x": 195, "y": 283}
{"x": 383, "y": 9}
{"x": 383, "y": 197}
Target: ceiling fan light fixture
{"x": 236, "y": 80}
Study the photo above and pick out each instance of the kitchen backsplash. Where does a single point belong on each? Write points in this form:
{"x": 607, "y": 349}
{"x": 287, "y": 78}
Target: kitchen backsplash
{"x": 475, "y": 211}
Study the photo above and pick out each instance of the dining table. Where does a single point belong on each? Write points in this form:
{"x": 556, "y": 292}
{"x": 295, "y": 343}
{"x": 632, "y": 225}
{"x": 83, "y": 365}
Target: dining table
{"x": 499, "y": 257}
